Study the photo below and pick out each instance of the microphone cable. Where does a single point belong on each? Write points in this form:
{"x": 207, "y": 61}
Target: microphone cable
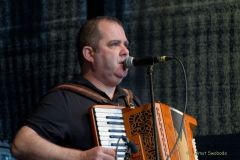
{"x": 185, "y": 108}
{"x": 116, "y": 158}
{"x": 118, "y": 142}
{"x": 131, "y": 148}
{"x": 128, "y": 151}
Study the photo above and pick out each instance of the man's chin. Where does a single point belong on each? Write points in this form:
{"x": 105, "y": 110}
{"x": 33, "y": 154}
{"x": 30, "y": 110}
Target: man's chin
{"x": 121, "y": 76}
{"x": 115, "y": 82}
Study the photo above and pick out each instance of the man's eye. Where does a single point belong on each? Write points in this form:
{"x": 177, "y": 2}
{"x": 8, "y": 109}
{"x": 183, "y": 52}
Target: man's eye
{"x": 114, "y": 44}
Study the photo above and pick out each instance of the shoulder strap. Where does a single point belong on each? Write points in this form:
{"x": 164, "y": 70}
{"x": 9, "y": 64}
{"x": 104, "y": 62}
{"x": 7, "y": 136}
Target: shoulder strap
{"x": 85, "y": 91}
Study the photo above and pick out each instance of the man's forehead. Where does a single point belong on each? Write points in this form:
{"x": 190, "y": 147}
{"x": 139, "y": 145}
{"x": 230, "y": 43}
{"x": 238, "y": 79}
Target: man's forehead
{"x": 112, "y": 30}
{"x": 106, "y": 24}
{"x": 106, "y": 21}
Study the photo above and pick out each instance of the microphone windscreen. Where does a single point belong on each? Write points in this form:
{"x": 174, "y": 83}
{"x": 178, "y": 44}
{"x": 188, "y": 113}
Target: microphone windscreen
{"x": 128, "y": 62}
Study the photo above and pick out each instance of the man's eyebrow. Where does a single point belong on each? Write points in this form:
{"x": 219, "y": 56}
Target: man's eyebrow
{"x": 114, "y": 42}
{"x": 126, "y": 43}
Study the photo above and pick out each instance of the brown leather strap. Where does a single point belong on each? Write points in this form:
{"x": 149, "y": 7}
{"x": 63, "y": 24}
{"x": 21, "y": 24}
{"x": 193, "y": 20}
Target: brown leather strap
{"x": 129, "y": 98}
{"x": 85, "y": 91}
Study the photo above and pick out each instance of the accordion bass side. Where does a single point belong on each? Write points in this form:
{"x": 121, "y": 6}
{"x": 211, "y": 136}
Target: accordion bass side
{"x": 110, "y": 123}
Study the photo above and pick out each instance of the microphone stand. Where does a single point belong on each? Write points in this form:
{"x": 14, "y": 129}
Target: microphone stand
{"x": 155, "y": 132}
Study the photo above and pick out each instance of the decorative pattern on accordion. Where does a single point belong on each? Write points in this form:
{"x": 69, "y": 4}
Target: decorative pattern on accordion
{"x": 138, "y": 121}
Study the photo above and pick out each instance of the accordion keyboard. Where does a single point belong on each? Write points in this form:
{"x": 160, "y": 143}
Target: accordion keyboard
{"x": 110, "y": 129}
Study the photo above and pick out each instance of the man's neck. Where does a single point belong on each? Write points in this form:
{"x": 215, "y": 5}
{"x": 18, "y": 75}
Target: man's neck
{"x": 101, "y": 86}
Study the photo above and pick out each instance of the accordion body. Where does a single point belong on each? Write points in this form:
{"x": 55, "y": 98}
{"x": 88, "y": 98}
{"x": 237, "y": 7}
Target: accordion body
{"x": 174, "y": 131}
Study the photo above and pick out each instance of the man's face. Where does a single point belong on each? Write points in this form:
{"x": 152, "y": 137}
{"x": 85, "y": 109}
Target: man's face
{"x": 111, "y": 52}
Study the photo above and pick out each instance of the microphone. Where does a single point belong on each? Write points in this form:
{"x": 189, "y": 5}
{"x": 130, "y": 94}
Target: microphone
{"x": 131, "y": 61}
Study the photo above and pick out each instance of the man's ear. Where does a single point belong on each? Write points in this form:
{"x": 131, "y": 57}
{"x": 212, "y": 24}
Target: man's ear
{"x": 88, "y": 53}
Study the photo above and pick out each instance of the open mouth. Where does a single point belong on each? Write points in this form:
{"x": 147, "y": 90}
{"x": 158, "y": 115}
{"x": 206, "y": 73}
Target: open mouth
{"x": 123, "y": 64}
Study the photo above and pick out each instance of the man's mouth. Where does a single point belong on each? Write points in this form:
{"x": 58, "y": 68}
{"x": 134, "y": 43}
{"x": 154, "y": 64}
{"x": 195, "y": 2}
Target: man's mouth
{"x": 123, "y": 63}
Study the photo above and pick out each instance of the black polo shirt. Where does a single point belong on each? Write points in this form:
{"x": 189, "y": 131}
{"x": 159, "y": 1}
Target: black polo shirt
{"x": 62, "y": 116}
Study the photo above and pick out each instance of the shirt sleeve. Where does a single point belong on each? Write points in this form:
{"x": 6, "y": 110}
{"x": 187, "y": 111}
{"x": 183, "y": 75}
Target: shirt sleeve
{"x": 50, "y": 118}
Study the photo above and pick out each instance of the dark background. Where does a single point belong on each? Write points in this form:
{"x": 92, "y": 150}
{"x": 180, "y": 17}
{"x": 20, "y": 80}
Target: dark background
{"x": 37, "y": 51}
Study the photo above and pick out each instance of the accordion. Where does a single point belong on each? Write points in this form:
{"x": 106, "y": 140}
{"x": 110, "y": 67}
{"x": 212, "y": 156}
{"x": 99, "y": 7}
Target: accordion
{"x": 110, "y": 123}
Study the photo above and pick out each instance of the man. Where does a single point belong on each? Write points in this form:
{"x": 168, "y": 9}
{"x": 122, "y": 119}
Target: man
{"x": 60, "y": 128}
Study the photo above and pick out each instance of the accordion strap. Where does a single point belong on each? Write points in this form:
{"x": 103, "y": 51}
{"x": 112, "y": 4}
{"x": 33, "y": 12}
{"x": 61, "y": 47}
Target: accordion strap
{"x": 93, "y": 95}
{"x": 129, "y": 98}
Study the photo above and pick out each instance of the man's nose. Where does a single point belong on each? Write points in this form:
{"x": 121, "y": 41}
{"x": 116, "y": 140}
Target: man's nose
{"x": 124, "y": 50}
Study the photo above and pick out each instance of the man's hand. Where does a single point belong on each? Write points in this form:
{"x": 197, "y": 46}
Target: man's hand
{"x": 99, "y": 153}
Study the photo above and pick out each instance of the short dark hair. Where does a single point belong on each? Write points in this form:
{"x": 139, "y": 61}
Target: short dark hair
{"x": 89, "y": 34}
